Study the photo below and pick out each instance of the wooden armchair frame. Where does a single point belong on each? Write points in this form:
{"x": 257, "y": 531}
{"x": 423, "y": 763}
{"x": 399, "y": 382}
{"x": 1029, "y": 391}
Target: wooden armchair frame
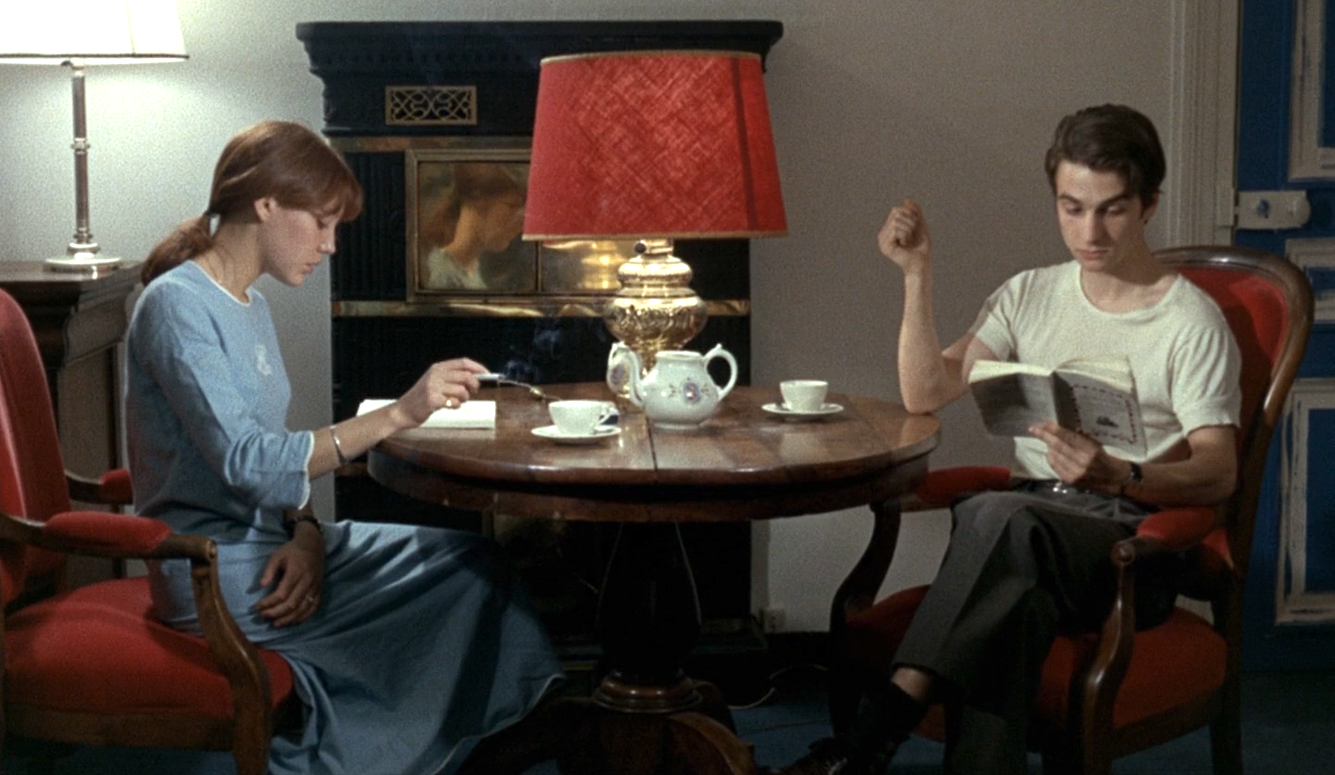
{"x": 32, "y": 550}
{"x": 247, "y": 733}
{"x": 1089, "y": 728}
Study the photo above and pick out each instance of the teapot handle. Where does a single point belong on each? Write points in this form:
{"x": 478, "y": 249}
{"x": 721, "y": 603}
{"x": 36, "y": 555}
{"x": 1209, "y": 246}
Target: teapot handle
{"x": 719, "y": 352}
{"x": 623, "y": 371}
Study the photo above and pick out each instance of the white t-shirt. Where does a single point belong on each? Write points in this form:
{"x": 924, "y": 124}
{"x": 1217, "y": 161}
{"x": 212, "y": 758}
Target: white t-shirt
{"x": 1185, "y": 362}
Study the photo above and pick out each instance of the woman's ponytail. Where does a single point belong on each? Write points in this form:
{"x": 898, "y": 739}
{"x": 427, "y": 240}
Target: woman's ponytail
{"x": 190, "y": 239}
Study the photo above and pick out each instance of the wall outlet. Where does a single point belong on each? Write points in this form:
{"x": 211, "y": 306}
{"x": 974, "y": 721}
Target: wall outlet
{"x": 772, "y": 618}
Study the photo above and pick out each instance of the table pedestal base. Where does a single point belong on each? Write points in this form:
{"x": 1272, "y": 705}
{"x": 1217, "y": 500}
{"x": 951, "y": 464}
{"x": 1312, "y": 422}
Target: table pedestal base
{"x": 616, "y": 692}
{"x": 585, "y": 738}
{"x": 646, "y": 717}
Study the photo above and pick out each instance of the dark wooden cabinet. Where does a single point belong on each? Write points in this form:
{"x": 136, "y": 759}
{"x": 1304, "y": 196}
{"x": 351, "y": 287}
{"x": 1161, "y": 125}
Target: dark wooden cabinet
{"x": 79, "y": 321}
{"x": 396, "y": 93}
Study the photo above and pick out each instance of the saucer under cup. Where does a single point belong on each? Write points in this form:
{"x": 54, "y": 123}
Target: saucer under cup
{"x": 552, "y": 433}
{"x": 791, "y": 414}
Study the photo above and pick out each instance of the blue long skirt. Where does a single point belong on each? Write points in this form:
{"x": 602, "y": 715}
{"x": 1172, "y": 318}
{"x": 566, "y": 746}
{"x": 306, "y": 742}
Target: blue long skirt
{"x": 424, "y": 640}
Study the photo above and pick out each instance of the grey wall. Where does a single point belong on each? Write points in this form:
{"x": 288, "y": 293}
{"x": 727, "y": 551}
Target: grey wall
{"x": 951, "y": 102}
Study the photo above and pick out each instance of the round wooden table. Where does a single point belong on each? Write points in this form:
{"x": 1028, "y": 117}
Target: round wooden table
{"x": 743, "y": 463}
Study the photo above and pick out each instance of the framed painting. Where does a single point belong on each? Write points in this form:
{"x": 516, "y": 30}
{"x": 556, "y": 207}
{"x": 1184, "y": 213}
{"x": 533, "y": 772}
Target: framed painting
{"x": 465, "y": 212}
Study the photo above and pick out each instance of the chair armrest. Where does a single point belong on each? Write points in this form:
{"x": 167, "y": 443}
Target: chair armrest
{"x": 106, "y": 534}
{"x": 1103, "y": 678}
{"x": 113, "y": 488}
{"x": 103, "y": 534}
{"x": 1170, "y": 530}
{"x": 1177, "y": 529}
{"x": 939, "y": 488}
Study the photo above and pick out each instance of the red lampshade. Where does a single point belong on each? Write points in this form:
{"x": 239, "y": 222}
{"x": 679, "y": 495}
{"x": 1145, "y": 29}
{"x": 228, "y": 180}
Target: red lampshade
{"x": 653, "y": 144}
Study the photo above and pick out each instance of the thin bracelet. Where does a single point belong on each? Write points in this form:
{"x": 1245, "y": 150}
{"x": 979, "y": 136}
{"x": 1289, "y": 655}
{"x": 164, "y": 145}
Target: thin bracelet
{"x": 338, "y": 448}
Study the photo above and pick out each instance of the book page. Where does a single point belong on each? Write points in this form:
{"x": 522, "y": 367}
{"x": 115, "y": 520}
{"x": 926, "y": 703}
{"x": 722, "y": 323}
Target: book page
{"x": 469, "y": 414}
{"x": 1010, "y": 403}
{"x": 1106, "y": 413}
{"x": 987, "y": 369}
{"x": 1114, "y": 371}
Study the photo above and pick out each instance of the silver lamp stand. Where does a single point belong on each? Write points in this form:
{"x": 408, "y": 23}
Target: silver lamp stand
{"x": 83, "y": 254}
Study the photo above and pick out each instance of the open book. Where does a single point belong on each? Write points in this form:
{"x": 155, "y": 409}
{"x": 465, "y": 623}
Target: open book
{"x": 1094, "y": 396}
{"x": 470, "y": 414}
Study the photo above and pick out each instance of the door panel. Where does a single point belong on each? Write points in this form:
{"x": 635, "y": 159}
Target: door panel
{"x": 1286, "y": 142}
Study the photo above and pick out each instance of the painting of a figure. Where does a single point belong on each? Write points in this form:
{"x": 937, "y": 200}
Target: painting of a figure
{"x": 470, "y": 215}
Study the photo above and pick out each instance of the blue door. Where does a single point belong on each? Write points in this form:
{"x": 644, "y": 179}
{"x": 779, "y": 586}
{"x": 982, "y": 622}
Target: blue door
{"x": 1286, "y": 185}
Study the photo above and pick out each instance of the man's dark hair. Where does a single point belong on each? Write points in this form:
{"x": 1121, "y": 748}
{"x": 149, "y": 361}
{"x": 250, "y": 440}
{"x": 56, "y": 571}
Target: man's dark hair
{"x": 1111, "y": 138}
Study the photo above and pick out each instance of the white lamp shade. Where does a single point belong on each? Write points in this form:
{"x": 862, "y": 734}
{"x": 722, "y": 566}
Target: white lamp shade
{"x": 91, "y": 31}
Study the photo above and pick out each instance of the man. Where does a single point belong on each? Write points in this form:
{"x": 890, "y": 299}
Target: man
{"x": 1025, "y": 563}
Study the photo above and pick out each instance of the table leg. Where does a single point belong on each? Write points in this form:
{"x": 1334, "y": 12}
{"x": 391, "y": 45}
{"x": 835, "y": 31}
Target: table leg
{"x": 646, "y": 717}
{"x": 648, "y": 621}
{"x": 856, "y": 594}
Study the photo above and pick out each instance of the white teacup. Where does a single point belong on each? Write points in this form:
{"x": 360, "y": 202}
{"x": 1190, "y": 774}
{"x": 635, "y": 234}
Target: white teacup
{"x": 803, "y": 395}
{"x": 579, "y": 418}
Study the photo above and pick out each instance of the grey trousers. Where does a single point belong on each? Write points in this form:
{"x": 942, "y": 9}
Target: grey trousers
{"x": 1020, "y": 567}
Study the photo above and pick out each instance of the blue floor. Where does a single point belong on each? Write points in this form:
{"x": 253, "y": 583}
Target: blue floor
{"x": 1289, "y": 727}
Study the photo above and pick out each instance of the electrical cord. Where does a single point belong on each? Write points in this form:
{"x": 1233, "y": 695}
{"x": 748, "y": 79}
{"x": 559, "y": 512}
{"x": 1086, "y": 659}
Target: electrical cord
{"x": 773, "y": 690}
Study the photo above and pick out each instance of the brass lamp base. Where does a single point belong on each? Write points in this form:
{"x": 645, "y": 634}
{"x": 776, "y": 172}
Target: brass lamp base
{"x": 655, "y": 309}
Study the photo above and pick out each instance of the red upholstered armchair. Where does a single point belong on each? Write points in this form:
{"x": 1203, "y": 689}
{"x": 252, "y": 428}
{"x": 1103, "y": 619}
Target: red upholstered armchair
{"x": 1114, "y": 692}
{"x": 90, "y": 665}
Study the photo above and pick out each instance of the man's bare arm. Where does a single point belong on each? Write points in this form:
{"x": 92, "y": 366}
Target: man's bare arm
{"x": 1205, "y": 478}
{"x": 929, "y": 377}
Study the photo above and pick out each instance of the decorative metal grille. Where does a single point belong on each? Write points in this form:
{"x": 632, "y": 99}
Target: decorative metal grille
{"x": 431, "y": 105}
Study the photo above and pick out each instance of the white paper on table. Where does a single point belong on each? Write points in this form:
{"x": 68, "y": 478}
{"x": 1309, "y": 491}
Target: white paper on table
{"x": 470, "y": 414}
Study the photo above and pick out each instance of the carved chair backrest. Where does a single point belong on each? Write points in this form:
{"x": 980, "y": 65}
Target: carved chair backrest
{"x": 1268, "y": 304}
{"x": 32, "y": 472}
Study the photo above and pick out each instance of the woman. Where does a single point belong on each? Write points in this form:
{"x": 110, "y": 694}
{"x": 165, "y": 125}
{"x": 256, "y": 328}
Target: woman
{"x": 481, "y": 216}
{"x": 404, "y": 641}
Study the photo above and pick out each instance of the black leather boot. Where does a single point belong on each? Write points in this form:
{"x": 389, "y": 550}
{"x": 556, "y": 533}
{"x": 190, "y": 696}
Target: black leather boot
{"x": 885, "y": 719}
{"x": 830, "y": 756}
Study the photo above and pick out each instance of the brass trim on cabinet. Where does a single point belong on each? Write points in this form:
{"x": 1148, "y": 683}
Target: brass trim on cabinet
{"x": 508, "y": 307}
{"x": 400, "y": 143}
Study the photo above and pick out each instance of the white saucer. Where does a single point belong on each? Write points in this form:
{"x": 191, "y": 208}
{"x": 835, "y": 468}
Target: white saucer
{"x": 599, "y": 433}
{"x": 793, "y": 414}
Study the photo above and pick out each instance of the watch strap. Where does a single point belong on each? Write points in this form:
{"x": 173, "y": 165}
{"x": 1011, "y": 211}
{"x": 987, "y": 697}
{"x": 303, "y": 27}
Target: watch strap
{"x": 1134, "y": 477}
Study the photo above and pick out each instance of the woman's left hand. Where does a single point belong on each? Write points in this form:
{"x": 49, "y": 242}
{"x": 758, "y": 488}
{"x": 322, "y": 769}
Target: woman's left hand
{"x": 295, "y": 571}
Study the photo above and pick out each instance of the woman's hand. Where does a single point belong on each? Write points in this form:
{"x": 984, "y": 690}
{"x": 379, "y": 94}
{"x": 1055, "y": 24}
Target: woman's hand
{"x": 446, "y": 384}
{"x": 295, "y": 571}
{"x": 904, "y": 239}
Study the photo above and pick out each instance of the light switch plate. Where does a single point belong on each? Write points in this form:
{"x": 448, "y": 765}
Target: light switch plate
{"x": 1272, "y": 209}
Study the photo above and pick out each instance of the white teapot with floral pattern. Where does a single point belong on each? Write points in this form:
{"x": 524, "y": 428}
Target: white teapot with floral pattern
{"x": 678, "y": 391}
